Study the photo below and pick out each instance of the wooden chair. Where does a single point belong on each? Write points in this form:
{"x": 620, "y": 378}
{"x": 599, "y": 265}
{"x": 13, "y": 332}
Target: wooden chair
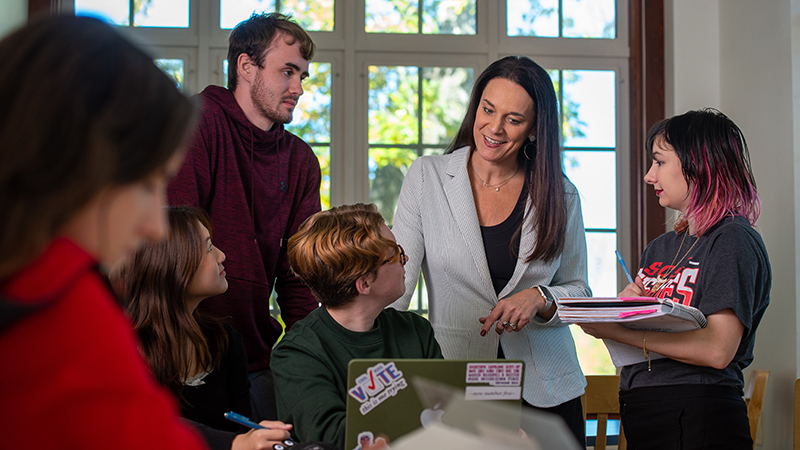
{"x": 601, "y": 400}
{"x": 754, "y": 398}
{"x": 797, "y": 414}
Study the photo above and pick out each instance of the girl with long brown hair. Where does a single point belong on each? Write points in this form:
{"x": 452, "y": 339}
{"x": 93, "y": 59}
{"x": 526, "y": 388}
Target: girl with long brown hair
{"x": 197, "y": 357}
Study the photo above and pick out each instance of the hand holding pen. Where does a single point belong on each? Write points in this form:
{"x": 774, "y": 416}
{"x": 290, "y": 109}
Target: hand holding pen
{"x": 634, "y": 287}
{"x": 263, "y": 436}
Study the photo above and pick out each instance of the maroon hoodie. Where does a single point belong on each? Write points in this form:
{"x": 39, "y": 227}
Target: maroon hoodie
{"x": 258, "y": 187}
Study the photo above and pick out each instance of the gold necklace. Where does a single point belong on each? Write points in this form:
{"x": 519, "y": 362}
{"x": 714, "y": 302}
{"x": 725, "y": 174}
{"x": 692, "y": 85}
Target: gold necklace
{"x": 660, "y": 280}
{"x": 496, "y": 187}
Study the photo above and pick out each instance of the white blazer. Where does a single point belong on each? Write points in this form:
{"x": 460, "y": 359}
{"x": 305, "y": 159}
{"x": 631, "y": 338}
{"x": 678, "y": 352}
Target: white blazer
{"x": 437, "y": 224}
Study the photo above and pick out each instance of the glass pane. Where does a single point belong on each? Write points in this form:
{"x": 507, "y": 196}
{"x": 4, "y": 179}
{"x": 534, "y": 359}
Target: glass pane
{"x": 311, "y": 120}
{"x": 324, "y": 157}
{"x": 532, "y": 18}
{"x": 433, "y": 151}
{"x": 594, "y": 174}
{"x": 116, "y": 12}
{"x": 449, "y": 17}
{"x": 590, "y": 19}
{"x": 419, "y": 301}
{"x": 445, "y": 95}
{"x": 173, "y": 68}
{"x": 602, "y": 263}
{"x": 592, "y": 355}
{"x": 386, "y": 16}
{"x": 313, "y": 15}
{"x": 387, "y": 169}
{"x": 589, "y": 108}
{"x": 393, "y": 105}
{"x": 161, "y": 13}
{"x": 232, "y": 12}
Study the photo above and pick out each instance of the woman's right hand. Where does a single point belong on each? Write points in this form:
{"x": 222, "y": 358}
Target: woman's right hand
{"x": 635, "y": 289}
{"x": 262, "y": 439}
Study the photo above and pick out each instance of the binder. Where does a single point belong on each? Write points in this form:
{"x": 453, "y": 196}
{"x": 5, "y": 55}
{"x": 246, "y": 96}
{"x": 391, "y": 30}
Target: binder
{"x": 636, "y": 313}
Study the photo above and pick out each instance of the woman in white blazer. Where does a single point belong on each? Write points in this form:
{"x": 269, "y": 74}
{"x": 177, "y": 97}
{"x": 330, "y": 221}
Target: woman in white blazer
{"x": 497, "y": 230}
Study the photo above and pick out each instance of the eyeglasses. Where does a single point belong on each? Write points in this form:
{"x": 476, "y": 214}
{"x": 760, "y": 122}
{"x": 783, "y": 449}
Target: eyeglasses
{"x": 399, "y": 251}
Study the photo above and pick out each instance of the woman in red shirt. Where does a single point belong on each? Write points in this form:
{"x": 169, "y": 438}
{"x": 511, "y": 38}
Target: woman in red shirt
{"x": 91, "y": 132}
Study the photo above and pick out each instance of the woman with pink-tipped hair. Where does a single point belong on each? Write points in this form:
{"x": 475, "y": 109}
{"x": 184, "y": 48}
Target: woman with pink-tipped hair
{"x": 714, "y": 260}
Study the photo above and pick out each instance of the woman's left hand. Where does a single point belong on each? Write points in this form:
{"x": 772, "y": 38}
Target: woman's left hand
{"x": 514, "y": 312}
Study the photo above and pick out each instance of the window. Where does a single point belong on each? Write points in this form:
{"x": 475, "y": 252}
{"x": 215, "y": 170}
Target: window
{"x": 313, "y": 15}
{"x": 421, "y": 16}
{"x": 594, "y": 19}
{"x": 412, "y": 111}
{"x": 173, "y": 68}
{"x": 392, "y": 78}
{"x": 138, "y": 13}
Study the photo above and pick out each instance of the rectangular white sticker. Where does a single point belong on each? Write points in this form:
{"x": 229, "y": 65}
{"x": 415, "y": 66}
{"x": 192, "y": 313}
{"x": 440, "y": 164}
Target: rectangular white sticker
{"x": 495, "y": 373}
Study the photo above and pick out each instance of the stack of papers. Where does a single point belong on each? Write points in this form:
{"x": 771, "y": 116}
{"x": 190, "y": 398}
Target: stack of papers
{"x": 637, "y": 313}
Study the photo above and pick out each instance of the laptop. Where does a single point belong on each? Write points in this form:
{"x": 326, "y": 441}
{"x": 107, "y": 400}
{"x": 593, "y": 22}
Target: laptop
{"x": 383, "y": 399}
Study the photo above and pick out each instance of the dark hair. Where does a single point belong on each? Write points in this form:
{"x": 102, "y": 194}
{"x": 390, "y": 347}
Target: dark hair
{"x": 83, "y": 109}
{"x": 541, "y": 159}
{"x": 716, "y": 164}
{"x": 153, "y": 285}
{"x": 334, "y": 248}
{"x": 256, "y": 34}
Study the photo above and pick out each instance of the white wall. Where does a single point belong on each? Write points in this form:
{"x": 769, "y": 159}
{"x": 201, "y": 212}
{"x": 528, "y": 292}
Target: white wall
{"x": 692, "y": 41}
{"x": 738, "y": 56}
{"x": 13, "y": 13}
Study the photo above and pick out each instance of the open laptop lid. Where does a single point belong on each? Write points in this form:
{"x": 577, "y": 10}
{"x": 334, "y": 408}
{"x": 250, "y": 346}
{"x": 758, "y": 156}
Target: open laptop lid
{"x": 382, "y": 400}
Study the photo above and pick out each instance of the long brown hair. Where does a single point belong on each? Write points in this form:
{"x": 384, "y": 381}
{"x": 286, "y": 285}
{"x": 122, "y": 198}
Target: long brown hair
{"x": 541, "y": 159}
{"x": 82, "y": 109}
{"x": 153, "y": 287}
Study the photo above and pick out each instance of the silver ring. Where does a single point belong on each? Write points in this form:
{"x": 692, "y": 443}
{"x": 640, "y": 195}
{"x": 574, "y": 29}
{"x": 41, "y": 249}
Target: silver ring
{"x": 505, "y": 324}
{"x": 512, "y": 325}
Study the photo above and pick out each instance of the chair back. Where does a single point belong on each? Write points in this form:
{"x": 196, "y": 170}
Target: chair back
{"x": 601, "y": 399}
{"x": 754, "y": 398}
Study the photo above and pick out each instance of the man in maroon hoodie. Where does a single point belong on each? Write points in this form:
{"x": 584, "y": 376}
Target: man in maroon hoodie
{"x": 258, "y": 182}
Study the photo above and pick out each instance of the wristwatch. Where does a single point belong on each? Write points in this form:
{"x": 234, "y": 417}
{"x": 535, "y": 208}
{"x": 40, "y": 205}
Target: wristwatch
{"x": 548, "y": 302}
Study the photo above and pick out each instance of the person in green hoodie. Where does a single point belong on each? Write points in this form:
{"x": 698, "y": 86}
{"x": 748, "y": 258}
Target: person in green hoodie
{"x": 349, "y": 259}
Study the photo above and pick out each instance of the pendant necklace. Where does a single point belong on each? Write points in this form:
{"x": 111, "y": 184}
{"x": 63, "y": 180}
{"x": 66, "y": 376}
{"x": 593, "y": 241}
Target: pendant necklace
{"x": 660, "y": 280}
{"x": 496, "y": 187}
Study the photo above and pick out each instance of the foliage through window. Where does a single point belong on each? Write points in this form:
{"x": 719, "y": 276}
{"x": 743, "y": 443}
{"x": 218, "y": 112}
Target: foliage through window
{"x": 562, "y": 18}
{"x": 421, "y": 16}
{"x": 313, "y": 15}
{"x": 138, "y": 13}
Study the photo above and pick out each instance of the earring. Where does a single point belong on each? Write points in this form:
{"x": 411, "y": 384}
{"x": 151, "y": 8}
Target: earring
{"x": 525, "y": 150}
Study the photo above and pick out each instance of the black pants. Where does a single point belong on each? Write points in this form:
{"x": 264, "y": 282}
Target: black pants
{"x": 685, "y": 417}
{"x": 572, "y": 413}
{"x": 262, "y": 395}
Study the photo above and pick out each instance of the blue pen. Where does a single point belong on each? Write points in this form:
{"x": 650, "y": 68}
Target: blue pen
{"x": 624, "y": 267}
{"x": 242, "y": 420}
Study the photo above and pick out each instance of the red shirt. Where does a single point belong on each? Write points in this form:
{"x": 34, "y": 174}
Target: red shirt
{"x": 72, "y": 377}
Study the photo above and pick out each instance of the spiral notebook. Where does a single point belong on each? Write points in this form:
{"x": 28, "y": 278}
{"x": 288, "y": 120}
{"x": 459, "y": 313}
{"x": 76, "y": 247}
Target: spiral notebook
{"x": 637, "y": 313}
